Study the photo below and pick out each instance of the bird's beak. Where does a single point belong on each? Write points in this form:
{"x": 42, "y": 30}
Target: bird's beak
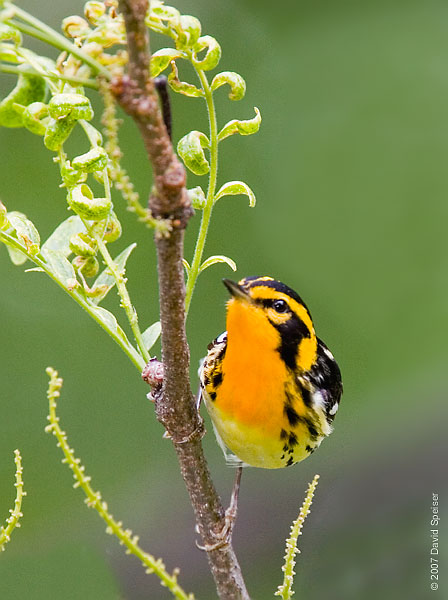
{"x": 236, "y": 290}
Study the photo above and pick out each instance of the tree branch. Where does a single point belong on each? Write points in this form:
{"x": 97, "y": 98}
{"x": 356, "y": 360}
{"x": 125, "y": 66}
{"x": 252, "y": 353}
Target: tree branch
{"x": 174, "y": 402}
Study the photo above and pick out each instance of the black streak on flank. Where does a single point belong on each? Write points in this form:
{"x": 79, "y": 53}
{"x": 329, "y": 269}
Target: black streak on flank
{"x": 212, "y": 396}
{"x": 312, "y": 430}
{"x": 283, "y": 434}
{"x": 293, "y": 441}
{"x": 290, "y": 461}
{"x": 309, "y": 449}
{"x": 291, "y": 415}
{"x": 306, "y": 395}
{"x": 217, "y": 379}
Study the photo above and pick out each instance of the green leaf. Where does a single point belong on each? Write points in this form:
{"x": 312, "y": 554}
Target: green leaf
{"x": 165, "y": 13}
{"x": 9, "y": 33}
{"x": 234, "y": 80}
{"x": 106, "y": 278}
{"x": 74, "y": 106}
{"x": 188, "y": 30}
{"x": 110, "y": 322}
{"x": 32, "y": 116}
{"x": 17, "y": 256}
{"x": 161, "y": 59}
{"x": 60, "y": 238}
{"x": 95, "y": 137}
{"x": 57, "y": 131}
{"x": 151, "y": 335}
{"x": 8, "y": 53}
{"x": 182, "y": 87}
{"x": 242, "y": 127}
{"x": 93, "y": 160}
{"x": 190, "y": 149}
{"x": 28, "y": 89}
{"x": 191, "y": 152}
{"x": 212, "y": 55}
{"x": 25, "y": 230}
{"x": 234, "y": 188}
{"x": 61, "y": 268}
{"x": 217, "y": 259}
{"x": 3, "y": 212}
{"x": 197, "y": 197}
{"x": 83, "y": 202}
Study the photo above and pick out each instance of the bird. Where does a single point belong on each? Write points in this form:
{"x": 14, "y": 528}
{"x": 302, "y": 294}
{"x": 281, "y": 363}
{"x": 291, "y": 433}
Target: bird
{"x": 270, "y": 385}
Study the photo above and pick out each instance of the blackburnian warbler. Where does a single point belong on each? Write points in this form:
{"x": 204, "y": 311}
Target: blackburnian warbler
{"x": 270, "y": 385}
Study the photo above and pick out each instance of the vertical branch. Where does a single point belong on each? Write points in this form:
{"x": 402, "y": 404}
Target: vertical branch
{"x": 175, "y": 407}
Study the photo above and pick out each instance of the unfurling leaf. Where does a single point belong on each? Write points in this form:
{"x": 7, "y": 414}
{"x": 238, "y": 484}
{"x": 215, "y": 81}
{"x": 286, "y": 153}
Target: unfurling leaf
{"x": 182, "y": 87}
{"x": 164, "y": 13}
{"x": 81, "y": 244}
{"x": 151, "y": 335}
{"x": 186, "y": 265}
{"x": 217, "y": 259}
{"x": 234, "y": 188}
{"x": 86, "y": 265}
{"x": 113, "y": 229}
{"x": 82, "y": 201}
{"x": 197, "y": 197}
{"x": 93, "y": 11}
{"x": 75, "y": 106}
{"x": 212, "y": 55}
{"x": 8, "y": 53}
{"x": 188, "y": 31}
{"x": 242, "y": 127}
{"x": 95, "y": 137}
{"x": 75, "y": 27}
{"x": 161, "y": 59}
{"x": 26, "y": 231}
{"x": 60, "y": 238}
{"x": 93, "y": 160}
{"x": 234, "y": 80}
{"x": 32, "y": 116}
{"x": 10, "y": 33}
{"x": 29, "y": 88}
{"x": 57, "y": 132}
{"x": 190, "y": 149}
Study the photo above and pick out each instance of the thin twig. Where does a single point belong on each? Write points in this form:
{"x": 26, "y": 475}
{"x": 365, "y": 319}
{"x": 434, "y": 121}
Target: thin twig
{"x": 175, "y": 407}
{"x": 95, "y": 500}
{"x": 90, "y": 83}
{"x": 285, "y": 589}
{"x": 12, "y": 522}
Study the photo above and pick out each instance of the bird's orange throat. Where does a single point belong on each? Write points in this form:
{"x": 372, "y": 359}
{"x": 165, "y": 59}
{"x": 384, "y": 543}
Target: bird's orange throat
{"x": 248, "y": 329}
{"x": 253, "y": 375}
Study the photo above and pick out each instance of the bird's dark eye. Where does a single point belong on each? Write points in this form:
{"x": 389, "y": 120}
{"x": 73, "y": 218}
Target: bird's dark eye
{"x": 280, "y": 306}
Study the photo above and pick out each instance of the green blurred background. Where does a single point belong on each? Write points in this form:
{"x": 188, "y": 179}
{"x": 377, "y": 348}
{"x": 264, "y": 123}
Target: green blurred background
{"x": 349, "y": 169}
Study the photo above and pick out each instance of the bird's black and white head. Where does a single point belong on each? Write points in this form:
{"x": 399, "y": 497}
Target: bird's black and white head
{"x": 266, "y": 314}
